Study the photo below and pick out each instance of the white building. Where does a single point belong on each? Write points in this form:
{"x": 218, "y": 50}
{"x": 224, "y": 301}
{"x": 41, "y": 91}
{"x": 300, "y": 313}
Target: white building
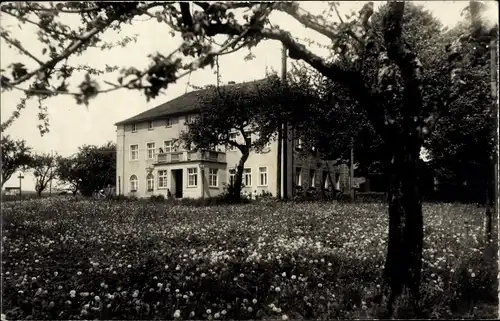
{"x": 151, "y": 162}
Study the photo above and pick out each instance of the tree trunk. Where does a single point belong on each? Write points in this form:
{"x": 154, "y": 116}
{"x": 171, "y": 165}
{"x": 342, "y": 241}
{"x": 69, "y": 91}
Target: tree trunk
{"x": 238, "y": 179}
{"x": 404, "y": 252}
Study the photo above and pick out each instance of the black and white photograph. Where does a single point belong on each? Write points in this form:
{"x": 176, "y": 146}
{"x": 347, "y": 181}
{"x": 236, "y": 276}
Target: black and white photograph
{"x": 238, "y": 160}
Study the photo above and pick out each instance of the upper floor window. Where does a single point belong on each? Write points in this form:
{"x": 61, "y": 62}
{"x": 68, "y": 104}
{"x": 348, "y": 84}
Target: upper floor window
{"x": 232, "y": 137}
{"x": 134, "y": 152}
{"x": 168, "y": 122}
{"x": 151, "y": 150}
{"x": 134, "y": 128}
{"x": 298, "y": 144}
{"x": 190, "y": 119}
{"x": 151, "y": 125}
{"x": 167, "y": 146}
{"x": 248, "y": 135}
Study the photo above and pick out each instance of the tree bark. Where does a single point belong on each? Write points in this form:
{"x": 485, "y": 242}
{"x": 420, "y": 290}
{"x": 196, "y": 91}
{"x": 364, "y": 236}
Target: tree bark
{"x": 238, "y": 179}
{"x": 404, "y": 253}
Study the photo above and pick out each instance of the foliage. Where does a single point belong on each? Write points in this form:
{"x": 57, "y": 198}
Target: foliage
{"x": 91, "y": 169}
{"x": 337, "y": 121}
{"x": 144, "y": 260}
{"x": 462, "y": 144}
{"x": 16, "y": 155}
{"x": 251, "y": 111}
{"x": 44, "y": 170}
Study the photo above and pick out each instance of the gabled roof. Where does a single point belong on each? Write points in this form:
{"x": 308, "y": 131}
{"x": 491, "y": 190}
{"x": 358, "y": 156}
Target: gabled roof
{"x": 184, "y": 104}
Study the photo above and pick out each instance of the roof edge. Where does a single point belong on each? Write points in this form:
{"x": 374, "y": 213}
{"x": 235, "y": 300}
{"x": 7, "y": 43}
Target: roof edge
{"x": 128, "y": 122}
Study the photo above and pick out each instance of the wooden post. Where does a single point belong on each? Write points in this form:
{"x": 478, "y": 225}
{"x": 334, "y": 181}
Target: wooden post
{"x": 202, "y": 175}
{"x": 279, "y": 161}
{"x": 51, "y": 171}
{"x": 492, "y": 205}
{"x": 20, "y": 183}
{"x": 285, "y": 129}
{"x": 351, "y": 174}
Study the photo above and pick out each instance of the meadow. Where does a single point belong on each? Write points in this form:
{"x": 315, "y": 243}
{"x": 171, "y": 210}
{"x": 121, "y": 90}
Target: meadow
{"x": 69, "y": 259}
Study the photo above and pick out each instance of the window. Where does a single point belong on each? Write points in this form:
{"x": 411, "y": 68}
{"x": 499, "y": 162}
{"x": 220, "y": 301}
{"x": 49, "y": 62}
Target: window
{"x": 134, "y": 152}
{"x": 190, "y": 119}
{"x": 325, "y": 179}
{"x": 263, "y": 176}
{"x": 134, "y": 128}
{"x": 162, "y": 179}
{"x": 151, "y": 150}
{"x": 232, "y": 137}
{"x": 212, "y": 177}
{"x": 312, "y": 178}
{"x": 150, "y": 182}
{"x": 248, "y": 134}
{"x": 298, "y": 177}
{"x": 168, "y": 146}
{"x": 232, "y": 174}
{"x": 298, "y": 144}
{"x": 168, "y": 122}
{"x": 133, "y": 183}
{"x": 151, "y": 125}
{"x": 192, "y": 177}
{"x": 247, "y": 176}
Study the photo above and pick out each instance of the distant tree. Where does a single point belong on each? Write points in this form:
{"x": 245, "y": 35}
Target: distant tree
{"x": 91, "y": 169}
{"x": 70, "y": 172}
{"x": 16, "y": 155}
{"x": 44, "y": 170}
{"x": 250, "y": 110}
{"x": 462, "y": 143}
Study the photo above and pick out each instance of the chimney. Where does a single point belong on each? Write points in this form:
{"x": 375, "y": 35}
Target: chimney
{"x": 231, "y": 83}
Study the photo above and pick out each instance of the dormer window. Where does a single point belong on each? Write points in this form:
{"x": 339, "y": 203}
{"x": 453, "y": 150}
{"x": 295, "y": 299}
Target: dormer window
{"x": 150, "y": 125}
{"x": 134, "y": 128}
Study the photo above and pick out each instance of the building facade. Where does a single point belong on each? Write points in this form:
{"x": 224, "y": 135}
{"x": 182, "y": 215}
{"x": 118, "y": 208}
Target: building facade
{"x": 152, "y": 161}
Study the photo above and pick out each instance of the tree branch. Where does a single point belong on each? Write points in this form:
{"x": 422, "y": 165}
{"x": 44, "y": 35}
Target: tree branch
{"x": 18, "y": 45}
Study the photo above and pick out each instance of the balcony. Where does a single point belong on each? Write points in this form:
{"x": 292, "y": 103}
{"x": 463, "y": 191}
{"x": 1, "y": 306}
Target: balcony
{"x": 187, "y": 156}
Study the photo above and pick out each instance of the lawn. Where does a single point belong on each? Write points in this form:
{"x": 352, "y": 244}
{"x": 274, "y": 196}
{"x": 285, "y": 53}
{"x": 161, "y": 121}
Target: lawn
{"x": 67, "y": 259}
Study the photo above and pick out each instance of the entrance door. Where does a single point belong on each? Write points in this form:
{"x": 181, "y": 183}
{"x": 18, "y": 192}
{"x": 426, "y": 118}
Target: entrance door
{"x": 177, "y": 177}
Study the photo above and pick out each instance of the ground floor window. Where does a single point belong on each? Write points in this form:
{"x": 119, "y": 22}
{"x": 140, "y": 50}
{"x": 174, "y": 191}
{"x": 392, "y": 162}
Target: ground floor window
{"x": 312, "y": 178}
{"x": 212, "y": 177}
{"x": 162, "y": 179}
{"x": 192, "y": 177}
{"x": 150, "y": 180}
{"x": 232, "y": 175}
{"x": 298, "y": 176}
{"x": 134, "y": 183}
{"x": 263, "y": 176}
{"x": 247, "y": 176}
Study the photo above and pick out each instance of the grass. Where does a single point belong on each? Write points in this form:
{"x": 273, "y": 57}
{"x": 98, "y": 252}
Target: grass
{"x": 68, "y": 259}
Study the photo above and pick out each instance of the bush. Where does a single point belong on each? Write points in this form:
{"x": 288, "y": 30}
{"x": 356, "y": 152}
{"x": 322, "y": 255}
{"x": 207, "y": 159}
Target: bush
{"x": 157, "y": 198}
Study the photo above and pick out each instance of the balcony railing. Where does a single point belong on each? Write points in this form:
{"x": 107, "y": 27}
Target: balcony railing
{"x": 175, "y": 157}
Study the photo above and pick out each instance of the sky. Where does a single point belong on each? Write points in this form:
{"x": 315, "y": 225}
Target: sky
{"x": 73, "y": 125}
